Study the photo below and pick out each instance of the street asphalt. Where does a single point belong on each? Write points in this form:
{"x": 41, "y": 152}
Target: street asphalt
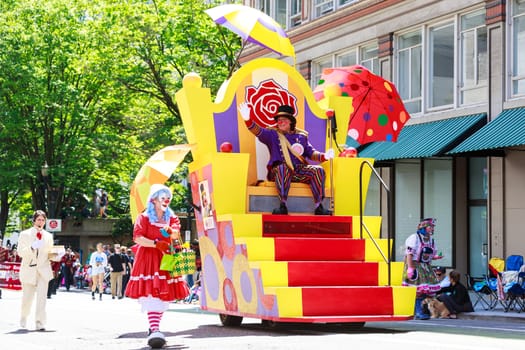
{"x": 77, "y": 322}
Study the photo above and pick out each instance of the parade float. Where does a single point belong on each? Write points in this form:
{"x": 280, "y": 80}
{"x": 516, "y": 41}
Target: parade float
{"x": 298, "y": 267}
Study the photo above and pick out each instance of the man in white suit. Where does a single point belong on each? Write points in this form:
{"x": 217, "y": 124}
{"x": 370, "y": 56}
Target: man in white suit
{"x": 35, "y": 246}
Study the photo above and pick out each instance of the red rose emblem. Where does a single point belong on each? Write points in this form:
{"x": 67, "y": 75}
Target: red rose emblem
{"x": 265, "y": 99}
{"x": 39, "y": 235}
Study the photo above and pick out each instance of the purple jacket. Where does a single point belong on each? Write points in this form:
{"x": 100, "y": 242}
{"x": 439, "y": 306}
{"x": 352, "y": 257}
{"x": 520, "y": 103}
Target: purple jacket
{"x": 270, "y": 138}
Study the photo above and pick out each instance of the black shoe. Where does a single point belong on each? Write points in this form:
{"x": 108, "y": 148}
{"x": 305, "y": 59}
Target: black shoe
{"x": 282, "y": 210}
{"x": 156, "y": 340}
{"x": 320, "y": 210}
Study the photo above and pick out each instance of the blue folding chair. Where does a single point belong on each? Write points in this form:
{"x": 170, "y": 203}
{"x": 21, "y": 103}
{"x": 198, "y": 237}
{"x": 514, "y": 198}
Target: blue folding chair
{"x": 481, "y": 290}
{"x": 516, "y": 294}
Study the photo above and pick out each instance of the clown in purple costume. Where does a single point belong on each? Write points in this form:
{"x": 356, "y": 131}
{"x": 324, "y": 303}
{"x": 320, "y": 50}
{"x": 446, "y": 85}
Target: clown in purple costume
{"x": 289, "y": 148}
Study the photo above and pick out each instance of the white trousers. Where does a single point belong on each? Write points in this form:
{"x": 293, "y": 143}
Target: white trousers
{"x": 28, "y": 294}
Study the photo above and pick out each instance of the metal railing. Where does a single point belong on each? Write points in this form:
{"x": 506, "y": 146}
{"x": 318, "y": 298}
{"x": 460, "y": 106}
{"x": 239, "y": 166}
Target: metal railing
{"x": 362, "y": 225}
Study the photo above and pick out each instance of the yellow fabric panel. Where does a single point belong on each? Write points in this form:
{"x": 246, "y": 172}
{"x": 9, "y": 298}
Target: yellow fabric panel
{"x": 195, "y": 106}
{"x": 274, "y": 273}
{"x": 229, "y": 179}
{"x": 371, "y": 251}
{"x": 396, "y": 274}
{"x": 259, "y": 248}
{"x": 404, "y": 300}
{"x": 346, "y": 183}
{"x": 244, "y": 225}
{"x": 289, "y": 300}
{"x": 372, "y": 222}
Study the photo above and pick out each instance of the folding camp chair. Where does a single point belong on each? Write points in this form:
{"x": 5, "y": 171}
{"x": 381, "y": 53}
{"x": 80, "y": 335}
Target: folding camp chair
{"x": 496, "y": 267}
{"x": 513, "y": 262}
{"x": 496, "y": 292}
{"x": 506, "y": 276}
{"x": 516, "y": 294}
{"x": 512, "y": 283}
{"x": 483, "y": 293}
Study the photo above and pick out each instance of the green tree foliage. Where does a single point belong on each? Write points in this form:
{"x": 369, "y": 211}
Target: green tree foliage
{"x": 123, "y": 231}
{"x": 88, "y": 87}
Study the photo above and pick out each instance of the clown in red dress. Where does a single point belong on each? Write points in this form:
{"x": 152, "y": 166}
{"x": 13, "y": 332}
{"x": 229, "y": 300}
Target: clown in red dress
{"x": 154, "y": 288}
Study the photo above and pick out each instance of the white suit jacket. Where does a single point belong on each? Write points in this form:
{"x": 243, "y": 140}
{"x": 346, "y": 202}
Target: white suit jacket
{"x": 34, "y": 261}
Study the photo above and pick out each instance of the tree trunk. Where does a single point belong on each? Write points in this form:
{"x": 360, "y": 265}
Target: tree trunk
{"x": 4, "y": 211}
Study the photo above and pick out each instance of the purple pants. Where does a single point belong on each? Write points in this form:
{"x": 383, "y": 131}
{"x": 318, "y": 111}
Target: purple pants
{"x": 314, "y": 175}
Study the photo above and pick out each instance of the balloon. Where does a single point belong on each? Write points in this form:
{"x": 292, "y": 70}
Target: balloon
{"x": 349, "y": 152}
{"x": 226, "y": 147}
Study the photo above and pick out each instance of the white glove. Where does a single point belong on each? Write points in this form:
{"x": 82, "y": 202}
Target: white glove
{"x": 329, "y": 154}
{"x": 37, "y": 244}
{"x": 244, "y": 110}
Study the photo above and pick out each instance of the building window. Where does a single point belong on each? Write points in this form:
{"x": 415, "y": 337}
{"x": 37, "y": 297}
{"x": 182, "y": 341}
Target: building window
{"x": 427, "y": 181}
{"x": 288, "y": 13}
{"x": 369, "y": 58}
{"x": 441, "y": 65}
{"x": 473, "y": 36}
{"x": 518, "y": 47}
{"x": 281, "y": 13}
{"x": 437, "y": 203}
{"x": 265, "y": 6}
{"x": 477, "y": 203}
{"x": 346, "y": 2}
{"x": 295, "y": 12}
{"x": 322, "y": 7}
{"x": 317, "y": 69}
{"x": 407, "y": 202}
{"x": 409, "y": 80}
{"x": 346, "y": 59}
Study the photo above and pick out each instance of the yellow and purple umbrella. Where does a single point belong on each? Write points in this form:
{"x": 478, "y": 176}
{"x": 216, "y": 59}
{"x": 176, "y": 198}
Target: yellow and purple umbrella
{"x": 253, "y": 26}
{"x": 156, "y": 170}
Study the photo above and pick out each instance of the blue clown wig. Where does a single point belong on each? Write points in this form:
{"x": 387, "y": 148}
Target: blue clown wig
{"x": 155, "y": 192}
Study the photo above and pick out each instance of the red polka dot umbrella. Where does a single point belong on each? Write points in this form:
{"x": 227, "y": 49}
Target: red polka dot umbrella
{"x": 378, "y": 112}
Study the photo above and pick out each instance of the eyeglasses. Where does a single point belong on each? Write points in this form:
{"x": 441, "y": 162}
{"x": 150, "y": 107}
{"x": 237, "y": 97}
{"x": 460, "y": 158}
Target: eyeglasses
{"x": 438, "y": 274}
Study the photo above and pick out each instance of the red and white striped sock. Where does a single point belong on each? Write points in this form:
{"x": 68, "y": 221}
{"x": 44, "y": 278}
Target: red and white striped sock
{"x": 154, "y": 320}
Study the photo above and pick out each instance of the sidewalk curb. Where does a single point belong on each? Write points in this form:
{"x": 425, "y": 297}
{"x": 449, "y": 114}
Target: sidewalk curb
{"x": 494, "y": 316}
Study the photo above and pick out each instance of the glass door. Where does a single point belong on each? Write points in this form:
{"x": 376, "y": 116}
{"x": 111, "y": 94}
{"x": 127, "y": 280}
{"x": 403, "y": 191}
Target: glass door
{"x": 478, "y": 233}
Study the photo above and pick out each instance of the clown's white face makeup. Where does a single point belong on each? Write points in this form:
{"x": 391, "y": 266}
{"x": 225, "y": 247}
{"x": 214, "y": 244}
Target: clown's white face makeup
{"x": 162, "y": 202}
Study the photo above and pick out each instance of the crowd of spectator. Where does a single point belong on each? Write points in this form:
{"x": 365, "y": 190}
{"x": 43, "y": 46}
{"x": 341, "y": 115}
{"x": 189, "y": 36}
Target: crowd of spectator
{"x": 71, "y": 272}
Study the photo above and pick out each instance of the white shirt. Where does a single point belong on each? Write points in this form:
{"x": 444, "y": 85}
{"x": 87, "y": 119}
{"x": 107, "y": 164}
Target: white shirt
{"x": 98, "y": 262}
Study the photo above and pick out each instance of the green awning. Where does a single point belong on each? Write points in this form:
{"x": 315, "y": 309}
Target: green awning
{"x": 506, "y": 130}
{"x": 426, "y": 139}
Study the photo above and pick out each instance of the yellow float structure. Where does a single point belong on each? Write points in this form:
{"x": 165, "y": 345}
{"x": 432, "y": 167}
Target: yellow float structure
{"x": 282, "y": 268}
